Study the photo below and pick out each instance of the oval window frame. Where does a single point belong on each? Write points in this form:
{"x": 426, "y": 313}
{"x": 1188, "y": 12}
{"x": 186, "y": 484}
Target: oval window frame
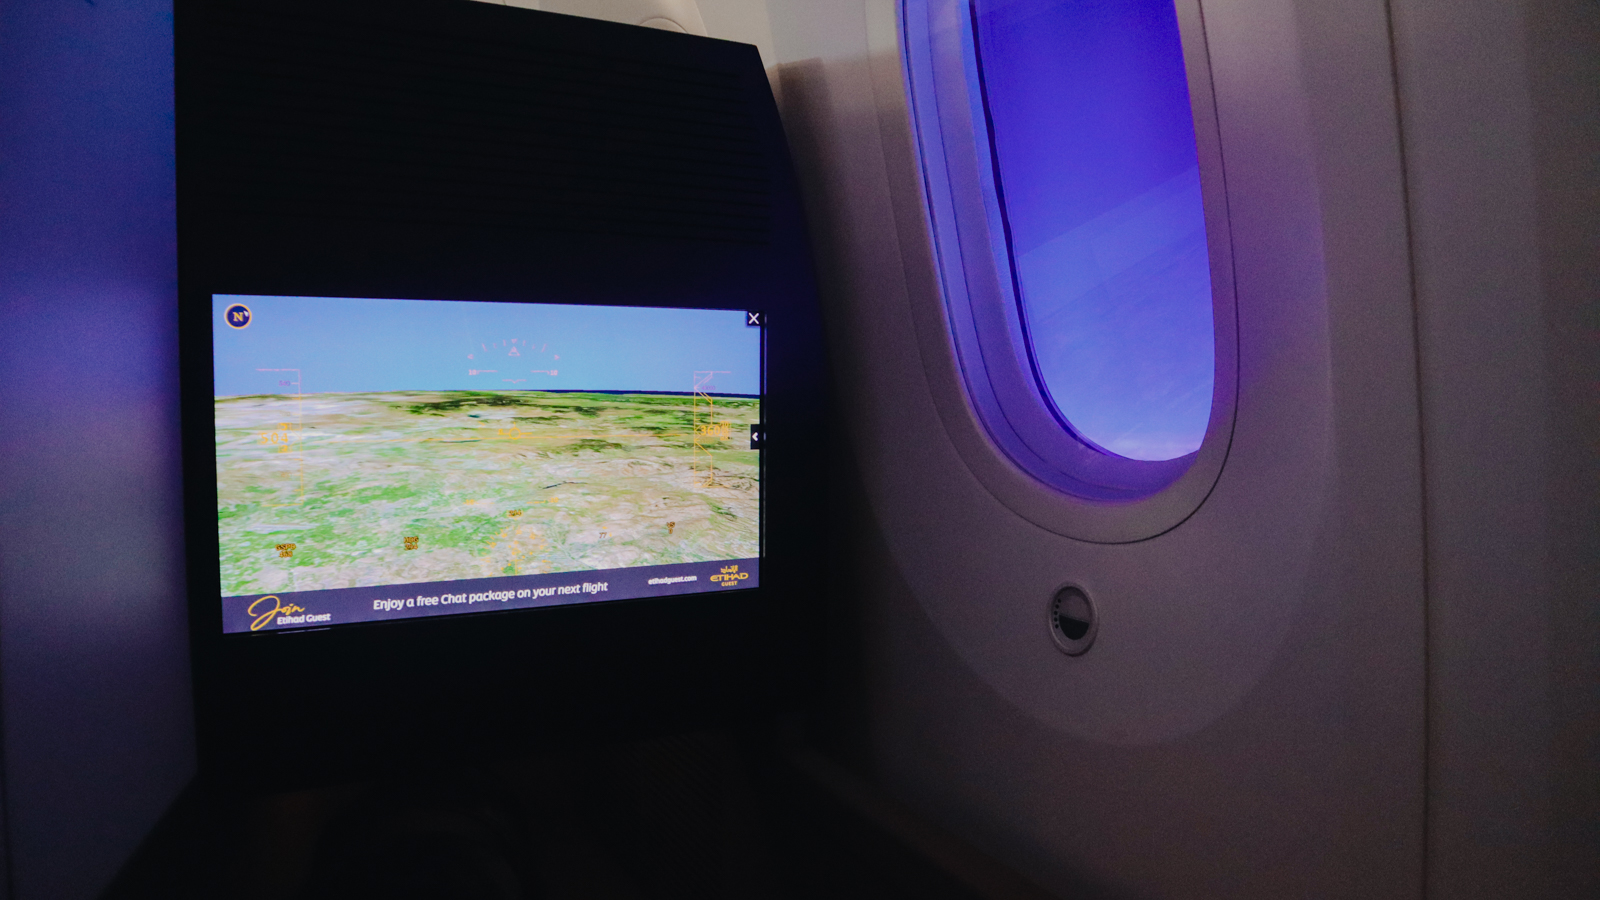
{"x": 999, "y": 418}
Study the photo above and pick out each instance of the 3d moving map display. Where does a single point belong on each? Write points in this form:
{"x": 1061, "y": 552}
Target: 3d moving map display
{"x": 388, "y": 459}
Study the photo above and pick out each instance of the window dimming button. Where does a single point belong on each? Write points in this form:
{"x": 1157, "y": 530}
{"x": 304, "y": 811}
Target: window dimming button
{"x": 1073, "y": 623}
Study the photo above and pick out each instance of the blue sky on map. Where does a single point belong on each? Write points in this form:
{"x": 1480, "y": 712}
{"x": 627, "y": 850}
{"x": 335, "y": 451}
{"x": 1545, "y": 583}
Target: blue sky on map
{"x": 349, "y": 345}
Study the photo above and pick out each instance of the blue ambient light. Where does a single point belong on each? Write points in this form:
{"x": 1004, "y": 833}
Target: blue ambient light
{"x": 1097, "y": 184}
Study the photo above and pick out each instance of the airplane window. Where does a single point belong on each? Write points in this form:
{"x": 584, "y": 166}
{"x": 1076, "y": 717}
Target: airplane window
{"x": 1099, "y": 184}
{"x": 1059, "y": 150}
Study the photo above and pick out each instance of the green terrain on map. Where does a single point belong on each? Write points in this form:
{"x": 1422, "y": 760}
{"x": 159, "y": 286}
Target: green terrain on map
{"x": 350, "y": 490}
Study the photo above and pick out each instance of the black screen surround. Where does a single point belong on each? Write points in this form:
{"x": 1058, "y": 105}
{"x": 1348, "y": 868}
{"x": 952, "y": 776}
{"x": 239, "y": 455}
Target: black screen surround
{"x": 456, "y": 151}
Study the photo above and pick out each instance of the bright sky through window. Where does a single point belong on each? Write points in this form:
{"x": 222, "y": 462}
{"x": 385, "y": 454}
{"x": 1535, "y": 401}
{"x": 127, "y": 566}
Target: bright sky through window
{"x": 1087, "y": 105}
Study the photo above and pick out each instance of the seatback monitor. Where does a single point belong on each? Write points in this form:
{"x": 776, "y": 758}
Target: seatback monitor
{"x": 503, "y": 386}
{"x": 382, "y": 459}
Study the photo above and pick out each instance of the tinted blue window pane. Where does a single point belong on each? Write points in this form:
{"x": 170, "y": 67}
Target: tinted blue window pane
{"x": 1094, "y": 147}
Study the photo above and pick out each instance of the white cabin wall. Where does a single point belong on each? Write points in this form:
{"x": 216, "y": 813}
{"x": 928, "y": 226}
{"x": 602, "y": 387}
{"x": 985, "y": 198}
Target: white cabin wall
{"x": 745, "y": 21}
{"x": 1502, "y": 127}
{"x": 1453, "y": 153}
{"x": 670, "y": 15}
{"x": 1308, "y": 780}
{"x": 1563, "y": 45}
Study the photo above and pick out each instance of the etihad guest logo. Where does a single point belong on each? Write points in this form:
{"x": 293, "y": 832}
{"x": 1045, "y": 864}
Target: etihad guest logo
{"x": 730, "y": 576}
{"x": 267, "y": 608}
{"x": 270, "y": 610}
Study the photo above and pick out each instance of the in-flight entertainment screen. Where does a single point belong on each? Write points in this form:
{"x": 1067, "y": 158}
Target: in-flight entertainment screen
{"x": 389, "y": 459}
